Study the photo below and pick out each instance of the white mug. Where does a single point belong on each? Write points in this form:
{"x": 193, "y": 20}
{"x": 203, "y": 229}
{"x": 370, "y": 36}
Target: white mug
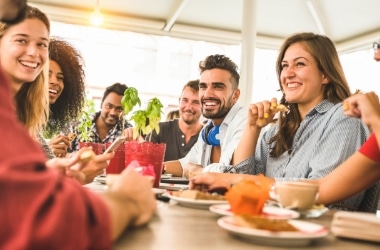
{"x": 295, "y": 195}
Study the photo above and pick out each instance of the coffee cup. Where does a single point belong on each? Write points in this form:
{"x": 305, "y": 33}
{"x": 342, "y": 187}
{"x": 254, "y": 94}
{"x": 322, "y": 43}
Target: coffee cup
{"x": 295, "y": 195}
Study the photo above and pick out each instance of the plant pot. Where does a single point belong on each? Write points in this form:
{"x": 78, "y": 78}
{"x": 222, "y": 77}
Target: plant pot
{"x": 146, "y": 153}
{"x": 117, "y": 163}
{"x": 96, "y": 147}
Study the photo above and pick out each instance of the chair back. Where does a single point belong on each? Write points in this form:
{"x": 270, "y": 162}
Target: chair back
{"x": 370, "y": 202}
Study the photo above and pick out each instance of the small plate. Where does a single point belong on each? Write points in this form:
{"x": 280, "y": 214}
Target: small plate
{"x": 158, "y": 191}
{"x": 166, "y": 176}
{"x": 100, "y": 179}
{"x": 272, "y": 212}
{"x": 201, "y": 204}
{"x": 315, "y": 212}
{"x": 308, "y": 232}
{"x": 173, "y": 187}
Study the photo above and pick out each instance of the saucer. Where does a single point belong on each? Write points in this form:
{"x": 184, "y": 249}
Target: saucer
{"x": 315, "y": 212}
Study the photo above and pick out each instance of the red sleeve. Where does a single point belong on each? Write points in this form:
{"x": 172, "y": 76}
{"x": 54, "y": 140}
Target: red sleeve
{"x": 39, "y": 208}
{"x": 371, "y": 149}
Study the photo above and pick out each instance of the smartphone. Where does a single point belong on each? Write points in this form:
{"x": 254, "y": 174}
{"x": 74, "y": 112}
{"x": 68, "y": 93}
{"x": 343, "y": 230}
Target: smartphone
{"x": 116, "y": 143}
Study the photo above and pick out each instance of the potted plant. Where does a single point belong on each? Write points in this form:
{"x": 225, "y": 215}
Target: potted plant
{"x": 145, "y": 121}
{"x": 84, "y": 128}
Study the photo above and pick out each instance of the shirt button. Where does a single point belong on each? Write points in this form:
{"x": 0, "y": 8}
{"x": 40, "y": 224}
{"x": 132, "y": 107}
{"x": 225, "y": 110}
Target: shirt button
{"x": 183, "y": 144}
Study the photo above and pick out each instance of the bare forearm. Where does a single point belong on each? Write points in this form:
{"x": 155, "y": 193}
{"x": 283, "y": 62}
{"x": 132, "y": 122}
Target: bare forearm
{"x": 174, "y": 168}
{"x": 247, "y": 144}
{"x": 122, "y": 213}
{"x": 354, "y": 175}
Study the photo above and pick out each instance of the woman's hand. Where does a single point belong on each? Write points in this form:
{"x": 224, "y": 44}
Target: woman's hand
{"x": 59, "y": 145}
{"x": 136, "y": 190}
{"x": 262, "y": 113}
{"x": 82, "y": 170}
{"x": 364, "y": 106}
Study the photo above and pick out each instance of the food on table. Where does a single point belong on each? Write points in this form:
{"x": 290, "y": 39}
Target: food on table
{"x": 87, "y": 156}
{"x": 71, "y": 136}
{"x": 249, "y": 196}
{"x": 264, "y": 223}
{"x": 278, "y": 107}
{"x": 198, "y": 195}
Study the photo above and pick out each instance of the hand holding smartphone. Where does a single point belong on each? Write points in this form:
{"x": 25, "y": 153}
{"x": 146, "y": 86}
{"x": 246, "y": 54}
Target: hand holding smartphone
{"x": 115, "y": 144}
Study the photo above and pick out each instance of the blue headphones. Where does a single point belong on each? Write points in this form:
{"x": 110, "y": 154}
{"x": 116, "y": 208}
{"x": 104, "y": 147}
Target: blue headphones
{"x": 210, "y": 134}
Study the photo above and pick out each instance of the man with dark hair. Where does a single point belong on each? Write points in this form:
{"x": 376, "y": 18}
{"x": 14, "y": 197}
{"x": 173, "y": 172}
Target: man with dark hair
{"x": 106, "y": 123}
{"x": 181, "y": 134}
{"x": 218, "y": 93}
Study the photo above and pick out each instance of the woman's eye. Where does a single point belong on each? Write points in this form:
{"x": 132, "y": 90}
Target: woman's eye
{"x": 284, "y": 66}
{"x": 43, "y": 45}
{"x": 299, "y": 64}
{"x": 21, "y": 41}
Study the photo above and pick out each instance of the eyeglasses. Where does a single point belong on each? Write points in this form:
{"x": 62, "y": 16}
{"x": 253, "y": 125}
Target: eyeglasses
{"x": 110, "y": 106}
{"x": 376, "y": 45}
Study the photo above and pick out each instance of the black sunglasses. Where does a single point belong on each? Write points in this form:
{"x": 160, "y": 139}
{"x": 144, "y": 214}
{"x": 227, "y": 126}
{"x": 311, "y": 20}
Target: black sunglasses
{"x": 376, "y": 45}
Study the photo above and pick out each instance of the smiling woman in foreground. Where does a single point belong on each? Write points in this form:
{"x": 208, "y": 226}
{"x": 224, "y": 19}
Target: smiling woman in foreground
{"x": 357, "y": 173}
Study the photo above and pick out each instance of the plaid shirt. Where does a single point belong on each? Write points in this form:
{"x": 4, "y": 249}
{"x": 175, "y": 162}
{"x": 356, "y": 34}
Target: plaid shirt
{"x": 111, "y": 136}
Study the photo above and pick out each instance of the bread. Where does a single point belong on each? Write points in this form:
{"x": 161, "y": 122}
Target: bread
{"x": 71, "y": 136}
{"x": 264, "y": 223}
{"x": 248, "y": 197}
{"x": 198, "y": 195}
{"x": 278, "y": 107}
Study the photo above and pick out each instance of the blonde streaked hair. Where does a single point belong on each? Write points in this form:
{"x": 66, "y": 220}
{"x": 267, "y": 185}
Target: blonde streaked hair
{"x": 32, "y": 100}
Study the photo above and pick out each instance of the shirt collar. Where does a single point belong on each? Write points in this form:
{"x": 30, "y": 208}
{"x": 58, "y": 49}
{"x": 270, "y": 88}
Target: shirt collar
{"x": 321, "y": 107}
{"x": 231, "y": 114}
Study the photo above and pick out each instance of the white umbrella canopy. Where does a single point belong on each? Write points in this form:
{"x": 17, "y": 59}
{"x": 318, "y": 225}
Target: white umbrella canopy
{"x": 351, "y": 24}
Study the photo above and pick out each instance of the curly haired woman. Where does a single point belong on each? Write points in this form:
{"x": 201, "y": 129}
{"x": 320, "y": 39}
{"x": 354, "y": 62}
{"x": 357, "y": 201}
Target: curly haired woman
{"x": 66, "y": 91}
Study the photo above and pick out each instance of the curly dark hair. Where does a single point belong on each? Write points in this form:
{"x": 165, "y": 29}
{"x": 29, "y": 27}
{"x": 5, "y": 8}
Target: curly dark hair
{"x": 69, "y": 105}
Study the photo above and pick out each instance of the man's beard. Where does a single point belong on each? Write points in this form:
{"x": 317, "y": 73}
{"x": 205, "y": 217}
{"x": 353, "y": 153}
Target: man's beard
{"x": 104, "y": 118}
{"x": 223, "y": 111}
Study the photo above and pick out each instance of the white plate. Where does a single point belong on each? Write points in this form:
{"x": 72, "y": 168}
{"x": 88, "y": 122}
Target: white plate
{"x": 308, "y": 232}
{"x": 158, "y": 191}
{"x": 272, "y": 212}
{"x": 315, "y": 212}
{"x": 166, "y": 176}
{"x": 100, "y": 179}
{"x": 202, "y": 204}
{"x": 173, "y": 187}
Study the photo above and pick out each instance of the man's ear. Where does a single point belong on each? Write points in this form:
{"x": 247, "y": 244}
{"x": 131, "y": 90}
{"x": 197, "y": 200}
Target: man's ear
{"x": 236, "y": 95}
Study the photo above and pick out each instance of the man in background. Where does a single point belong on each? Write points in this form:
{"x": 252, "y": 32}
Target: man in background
{"x": 107, "y": 124}
{"x": 181, "y": 134}
{"x": 218, "y": 93}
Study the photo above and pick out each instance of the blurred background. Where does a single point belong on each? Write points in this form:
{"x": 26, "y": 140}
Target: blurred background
{"x": 156, "y": 45}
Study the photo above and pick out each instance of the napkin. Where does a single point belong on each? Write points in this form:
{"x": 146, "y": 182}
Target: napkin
{"x": 356, "y": 225}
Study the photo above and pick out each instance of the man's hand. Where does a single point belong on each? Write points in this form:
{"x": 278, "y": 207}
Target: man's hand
{"x": 129, "y": 135}
{"x": 191, "y": 170}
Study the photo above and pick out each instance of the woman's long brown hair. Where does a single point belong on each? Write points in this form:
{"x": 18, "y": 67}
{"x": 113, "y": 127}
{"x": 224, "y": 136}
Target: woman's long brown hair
{"x": 324, "y": 52}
